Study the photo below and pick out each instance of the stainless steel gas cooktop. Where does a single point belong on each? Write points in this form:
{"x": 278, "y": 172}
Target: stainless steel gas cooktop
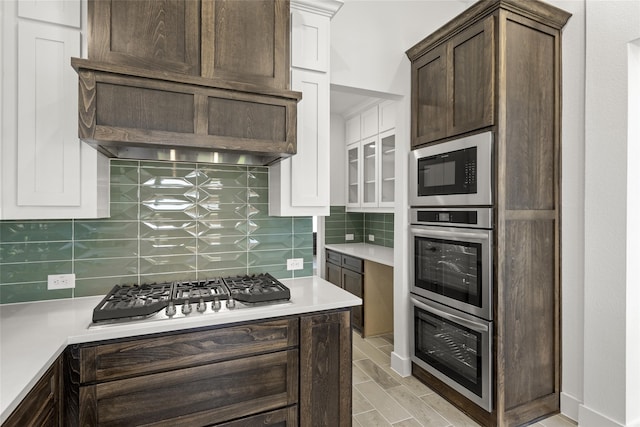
{"x": 170, "y": 300}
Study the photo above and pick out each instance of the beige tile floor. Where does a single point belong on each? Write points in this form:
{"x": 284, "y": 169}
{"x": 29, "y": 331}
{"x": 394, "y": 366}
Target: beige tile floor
{"x": 381, "y": 397}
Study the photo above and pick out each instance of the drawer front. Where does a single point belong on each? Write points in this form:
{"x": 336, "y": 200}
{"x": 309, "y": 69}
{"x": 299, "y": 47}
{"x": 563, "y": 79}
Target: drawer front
{"x": 201, "y": 395}
{"x": 334, "y": 257}
{"x": 352, "y": 263}
{"x": 143, "y": 356}
{"x": 287, "y": 417}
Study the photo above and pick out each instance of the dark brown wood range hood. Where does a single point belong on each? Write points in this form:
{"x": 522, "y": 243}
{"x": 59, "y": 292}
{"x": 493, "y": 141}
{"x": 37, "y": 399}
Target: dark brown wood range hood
{"x": 201, "y": 81}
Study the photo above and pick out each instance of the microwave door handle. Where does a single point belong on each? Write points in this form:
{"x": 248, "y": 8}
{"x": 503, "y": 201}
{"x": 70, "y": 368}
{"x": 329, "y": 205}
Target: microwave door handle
{"x": 479, "y": 327}
{"x": 432, "y": 232}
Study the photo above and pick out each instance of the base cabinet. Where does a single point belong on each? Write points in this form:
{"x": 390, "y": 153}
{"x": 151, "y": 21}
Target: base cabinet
{"x": 41, "y": 407}
{"x": 242, "y": 375}
{"x": 325, "y": 369}
{"x": 346, "y": 272}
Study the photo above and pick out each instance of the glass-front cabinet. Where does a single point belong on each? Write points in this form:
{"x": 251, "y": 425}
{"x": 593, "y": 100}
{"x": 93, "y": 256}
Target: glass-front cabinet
{"x": 353, "y": 175}
{"x": 387, "y": 168}
{"x": 371, "y": 159}
{"x": 369, "y": 173}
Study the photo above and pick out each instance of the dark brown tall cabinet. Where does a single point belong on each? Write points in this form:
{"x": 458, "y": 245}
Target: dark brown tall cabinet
{"x": 188, "y": 75}
{"x": 497, "y": 67}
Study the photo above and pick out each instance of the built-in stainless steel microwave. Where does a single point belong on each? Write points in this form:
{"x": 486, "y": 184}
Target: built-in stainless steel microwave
{"x": 453, "y": 173}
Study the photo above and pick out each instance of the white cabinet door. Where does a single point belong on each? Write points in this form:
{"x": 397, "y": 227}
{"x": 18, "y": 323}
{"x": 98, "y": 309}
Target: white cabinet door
{"x": 387, "y": 159}
{"x": 309, "y": 40}
{"x": 353, "y": 175}
{"x": 352, "y": 130}
{"x": 387, "y": 116}
{"x": 63, "y": 12}
{"x": 47, "y": 172}
{"x": 48, "y": 145}
{"x": 370, "y": 122}
{"x": 370, "y": 173}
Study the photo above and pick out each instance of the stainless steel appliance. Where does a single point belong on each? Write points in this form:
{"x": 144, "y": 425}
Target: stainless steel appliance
{"x": 452, "y": 260}
{"x": 452, "y": 173}
{"x": 173, "y": 300}
{"x": 454, "y": 347}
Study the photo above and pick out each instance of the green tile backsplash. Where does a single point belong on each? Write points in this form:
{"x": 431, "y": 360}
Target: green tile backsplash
{"x": 169, "y": 221}
{"x": 340, "y": 223}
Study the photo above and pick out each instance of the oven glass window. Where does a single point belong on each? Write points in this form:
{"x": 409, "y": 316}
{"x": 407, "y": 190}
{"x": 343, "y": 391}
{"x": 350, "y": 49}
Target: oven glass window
{"x": 452, "y": 349}
{"x": 449, "y": 268}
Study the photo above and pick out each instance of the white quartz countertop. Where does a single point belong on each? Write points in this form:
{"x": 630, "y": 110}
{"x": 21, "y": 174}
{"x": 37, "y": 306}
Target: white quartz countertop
{"x": 33, "y": 335}
{"x": 375, "y": 253}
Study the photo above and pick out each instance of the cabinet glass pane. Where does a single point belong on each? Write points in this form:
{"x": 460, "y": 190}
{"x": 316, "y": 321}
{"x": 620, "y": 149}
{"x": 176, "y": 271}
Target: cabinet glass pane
{"x": 369, "y": 172}
{"x": 353, "y": 174}
{"x": 387, "y": 168}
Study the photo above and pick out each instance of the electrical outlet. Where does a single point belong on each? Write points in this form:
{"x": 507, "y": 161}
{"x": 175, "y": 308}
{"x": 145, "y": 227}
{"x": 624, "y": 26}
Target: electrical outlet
{"x": 295, "y": 263}
{"x": 372, "y": 238}
{"x": 348, "y": 236}
{"x": 61, "y": 281}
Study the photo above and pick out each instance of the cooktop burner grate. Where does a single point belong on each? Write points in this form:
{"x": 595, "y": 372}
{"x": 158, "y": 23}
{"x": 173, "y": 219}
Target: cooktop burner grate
{"x": 257, "y": 288}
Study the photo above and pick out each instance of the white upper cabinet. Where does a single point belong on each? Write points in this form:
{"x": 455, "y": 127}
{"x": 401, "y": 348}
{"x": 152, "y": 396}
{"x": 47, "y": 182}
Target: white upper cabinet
{"x": 299, "y": 185}
{"x": 47, "y": 172}
{"x": 370, "y": 158}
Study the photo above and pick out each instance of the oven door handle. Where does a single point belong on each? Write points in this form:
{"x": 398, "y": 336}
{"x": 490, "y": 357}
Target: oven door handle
{"x": 426, "y": 231}
{"x": 479, "y": 327}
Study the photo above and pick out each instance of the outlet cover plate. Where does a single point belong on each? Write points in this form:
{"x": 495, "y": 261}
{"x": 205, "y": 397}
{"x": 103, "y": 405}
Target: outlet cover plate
{"x": 61, "y": 281}
{"x": 348, "y": 237}
{"x": 295, "y": 263}
{"x": 372, "y": 237}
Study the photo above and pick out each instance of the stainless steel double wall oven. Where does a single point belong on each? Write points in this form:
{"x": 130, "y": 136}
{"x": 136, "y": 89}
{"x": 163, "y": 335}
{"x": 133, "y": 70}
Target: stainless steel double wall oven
{"x": 451, "y": 266}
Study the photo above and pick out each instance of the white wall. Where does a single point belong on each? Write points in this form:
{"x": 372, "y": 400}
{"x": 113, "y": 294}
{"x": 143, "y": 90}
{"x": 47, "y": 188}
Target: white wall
{"x": 610, "y": 380}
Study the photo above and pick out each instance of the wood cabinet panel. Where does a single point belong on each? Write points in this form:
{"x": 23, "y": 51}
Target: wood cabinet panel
{"x": 120, "y": 111}
{"x": 333, "y": 274}
{"x": 124, "y": 359}
{"x": 246, "y": 41}
{"x": 163, "y": 36}
{"x": 41, "y": 406}
{"x": 325, "y": 369}
{"x": 471, "y": 78}
{"x": 429, "y": 102}
{"x": 528, "y": 340}
{"x": 353, "y": 282}
{"x": 531, "y": 155}
{"x": 199, "y": 395}
{"x": 378, "y": 298}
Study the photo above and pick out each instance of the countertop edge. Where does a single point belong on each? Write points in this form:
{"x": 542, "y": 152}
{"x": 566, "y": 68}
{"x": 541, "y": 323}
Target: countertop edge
{"x": 375, "y": 253}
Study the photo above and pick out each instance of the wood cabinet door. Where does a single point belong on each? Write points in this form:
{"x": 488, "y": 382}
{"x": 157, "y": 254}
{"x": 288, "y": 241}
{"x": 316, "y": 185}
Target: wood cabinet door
{"x": 246, "y": 41}
{"x": 199, "y": 395}
{"x": 149, "y": 34}
{"x": 41, "y": 406}
{"x": 471, "y": 78}
{"x": 429, "y": 102}
{"x": 352, "y": 282}
{"x": 325, "y": 369}
{"x": 333, "y": 274}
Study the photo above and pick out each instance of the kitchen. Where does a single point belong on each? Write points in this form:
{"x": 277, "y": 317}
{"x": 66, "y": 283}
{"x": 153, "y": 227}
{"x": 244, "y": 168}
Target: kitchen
{"x": 588, "y": 390}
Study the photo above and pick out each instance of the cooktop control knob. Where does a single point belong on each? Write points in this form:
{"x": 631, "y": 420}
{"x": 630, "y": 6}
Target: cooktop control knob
{"x": 202, "y": 306}
{"x": 171, "y": 309}
{"x": 216, "y": 304}
{"x": 186, "y": 307}
{"x": 231, "y": 303}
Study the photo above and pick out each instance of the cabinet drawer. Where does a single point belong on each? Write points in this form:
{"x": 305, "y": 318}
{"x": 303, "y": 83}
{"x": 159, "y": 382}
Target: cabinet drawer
{"x": 143, "y": 356}
{"x": 200, "y": 395}
{"x": 352, "y": 263}
{"x": 334, "y": 257}
{"x": 287, "y": 417}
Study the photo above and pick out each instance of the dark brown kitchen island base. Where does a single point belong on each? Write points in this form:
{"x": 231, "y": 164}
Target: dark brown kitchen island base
{"x": 288, "y": 371}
